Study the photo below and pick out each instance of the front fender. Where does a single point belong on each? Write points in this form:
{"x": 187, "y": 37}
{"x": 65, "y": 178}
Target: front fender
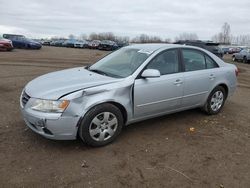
{"x": 111, "y": 93}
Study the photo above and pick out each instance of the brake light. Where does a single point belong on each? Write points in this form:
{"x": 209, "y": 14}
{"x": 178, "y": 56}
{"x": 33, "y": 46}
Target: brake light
{"x": 236, "y": 71}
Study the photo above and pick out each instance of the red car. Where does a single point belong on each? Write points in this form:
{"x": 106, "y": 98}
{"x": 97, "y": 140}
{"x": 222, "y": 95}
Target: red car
{"x": 5, "y": 44}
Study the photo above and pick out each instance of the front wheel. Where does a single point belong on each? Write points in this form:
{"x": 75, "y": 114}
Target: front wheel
{"x": 101, "y": 125}
{"x": 215, "y": 101}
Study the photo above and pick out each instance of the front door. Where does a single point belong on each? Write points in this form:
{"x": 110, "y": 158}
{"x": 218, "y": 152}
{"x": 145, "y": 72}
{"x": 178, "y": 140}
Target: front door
{"x": 154, "y": 96}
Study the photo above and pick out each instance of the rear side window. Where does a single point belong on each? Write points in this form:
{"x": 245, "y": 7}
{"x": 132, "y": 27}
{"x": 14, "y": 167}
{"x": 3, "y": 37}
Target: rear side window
{"x": 210, "y": 63}
{"x": 166, "y": 62}
{"x": 193, "y": 60}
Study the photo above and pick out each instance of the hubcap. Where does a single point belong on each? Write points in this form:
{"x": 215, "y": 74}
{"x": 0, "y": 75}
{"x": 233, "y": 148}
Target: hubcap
{"x": 217, "y": 100}
{"x": 103, "y": 126}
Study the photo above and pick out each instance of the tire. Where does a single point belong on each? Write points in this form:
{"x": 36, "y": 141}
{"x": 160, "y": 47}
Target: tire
{"x": 95, "y": 131}
{"x": 215, "y": 101}
{"x": 234, "y": 59}
{"x": 244, "y": 60}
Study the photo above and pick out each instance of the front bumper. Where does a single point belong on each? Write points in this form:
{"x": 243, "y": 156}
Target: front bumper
{"x": 51, "y": 125}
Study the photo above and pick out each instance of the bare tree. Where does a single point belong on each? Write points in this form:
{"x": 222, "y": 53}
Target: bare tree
{"x": 122, "y": 39}
{"x": 187, "y": 36}
{"x": 83, "y": 36}
{"x": 224, "y": 37}
{"x": 93, "y": 36}
{"x": 241, "y": 40}
{"x": 226, "y": 30}
{"x": 71, "y": 36}
{"x": 144, "y": 38}
{"x": 218, "y": 38}
{"x": 168, "y": 40}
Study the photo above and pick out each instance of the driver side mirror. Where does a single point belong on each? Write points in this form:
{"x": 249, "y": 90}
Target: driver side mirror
{"x": 151, "y": 73}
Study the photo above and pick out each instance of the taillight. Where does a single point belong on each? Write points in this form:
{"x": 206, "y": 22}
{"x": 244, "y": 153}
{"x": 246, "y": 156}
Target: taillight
{"x": 236, "y": 71}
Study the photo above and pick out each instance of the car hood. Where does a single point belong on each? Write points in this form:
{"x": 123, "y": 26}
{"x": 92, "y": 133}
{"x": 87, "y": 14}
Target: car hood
{"x": 56, "y": 84}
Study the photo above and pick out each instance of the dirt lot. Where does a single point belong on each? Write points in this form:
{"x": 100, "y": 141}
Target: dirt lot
{"x": 160, "y": 152}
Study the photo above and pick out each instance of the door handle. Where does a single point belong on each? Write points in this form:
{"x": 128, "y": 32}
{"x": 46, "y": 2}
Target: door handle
{"x": 211, "y": 76}
{"x": 178, "y": 82}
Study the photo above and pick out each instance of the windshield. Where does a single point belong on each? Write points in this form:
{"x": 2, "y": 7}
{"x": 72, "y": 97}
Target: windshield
{"x": 120, "y": 63}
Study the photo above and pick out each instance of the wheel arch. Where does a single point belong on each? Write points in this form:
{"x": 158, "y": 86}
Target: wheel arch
{"x": 116, "y": 104}
{"x": 122, "y": 109}
{"x": 225, "y": 88}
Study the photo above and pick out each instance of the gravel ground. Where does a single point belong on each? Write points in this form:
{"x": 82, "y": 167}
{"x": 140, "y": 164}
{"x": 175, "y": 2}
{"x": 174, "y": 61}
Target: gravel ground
{"x": 160, "y": 152}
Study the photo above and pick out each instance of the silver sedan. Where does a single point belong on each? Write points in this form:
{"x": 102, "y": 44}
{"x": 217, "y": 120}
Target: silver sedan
{"x": 132, "y": 84}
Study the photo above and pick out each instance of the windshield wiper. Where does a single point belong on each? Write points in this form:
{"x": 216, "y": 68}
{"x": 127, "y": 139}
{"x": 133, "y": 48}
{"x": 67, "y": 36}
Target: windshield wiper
{"x": 98, "y": 72}
{"x": 87, "y": 67}
{"x": 104, "y": 73}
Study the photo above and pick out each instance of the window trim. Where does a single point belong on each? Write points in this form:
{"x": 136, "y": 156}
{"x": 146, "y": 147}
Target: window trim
{"x": 200, "y": 52}
{"x": 180, "y": 66}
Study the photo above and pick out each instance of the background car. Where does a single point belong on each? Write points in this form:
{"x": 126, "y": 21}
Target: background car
{"x": 46, "y": 43}
{"x": 243, "y": 55}
{"x": 70, "y": 43}
{"x": 94, "y": 44}
{"x": 5, "y": 44}
{"x": 81, "y": 44}
{"x": 20, "y": 41}
{"x": 233, "y": 50}
{"x": 57, "y": 43}
{"x": 108, "y": 45}
{"x": 208, "y": 45}
{"x": 121, "y": 44}
{"x": 225, "y": 50}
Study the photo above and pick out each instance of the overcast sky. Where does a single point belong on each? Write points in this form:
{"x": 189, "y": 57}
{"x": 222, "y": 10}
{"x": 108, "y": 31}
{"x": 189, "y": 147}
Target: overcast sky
{"x": 165, "y": 18}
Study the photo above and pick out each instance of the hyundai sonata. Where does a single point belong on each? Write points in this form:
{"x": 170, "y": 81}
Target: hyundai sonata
{"x": 134, "y": 83}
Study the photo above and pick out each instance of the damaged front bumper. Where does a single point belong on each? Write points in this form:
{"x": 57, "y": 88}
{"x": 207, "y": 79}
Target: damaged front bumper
{"x": 51, "y": 125}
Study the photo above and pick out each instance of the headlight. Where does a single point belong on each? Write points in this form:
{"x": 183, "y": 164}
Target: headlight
{"x": 49, "y": 105}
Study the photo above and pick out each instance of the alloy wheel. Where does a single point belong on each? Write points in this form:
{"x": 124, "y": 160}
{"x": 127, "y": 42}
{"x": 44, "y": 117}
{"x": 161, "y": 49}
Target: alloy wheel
{"x": 103, "y": 126}
{"x": 217, "y": 100}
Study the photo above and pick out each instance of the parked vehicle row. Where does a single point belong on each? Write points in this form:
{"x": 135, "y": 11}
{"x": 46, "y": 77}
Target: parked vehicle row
{"x": 94, "y": 44}
{"x": 231, "y": 50}
{"x": 20, "y": 41}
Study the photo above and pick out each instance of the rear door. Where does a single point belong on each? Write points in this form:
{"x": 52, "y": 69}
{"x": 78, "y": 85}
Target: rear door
{"x": 199, "y": 77}
{"x": 162, "y": 94}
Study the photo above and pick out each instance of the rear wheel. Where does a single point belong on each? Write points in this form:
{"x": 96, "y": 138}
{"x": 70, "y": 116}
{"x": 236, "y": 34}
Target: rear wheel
{"x": 101, "y": 125}
{"x": 215, "y": 101}
{"x": 244, "y": 59}
{"x": 234, "y": 58}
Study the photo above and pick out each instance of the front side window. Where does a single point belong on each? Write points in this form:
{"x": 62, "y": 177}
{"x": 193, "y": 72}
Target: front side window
{"x": 193, "y": 60}
{"x": 166, "y": 62}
